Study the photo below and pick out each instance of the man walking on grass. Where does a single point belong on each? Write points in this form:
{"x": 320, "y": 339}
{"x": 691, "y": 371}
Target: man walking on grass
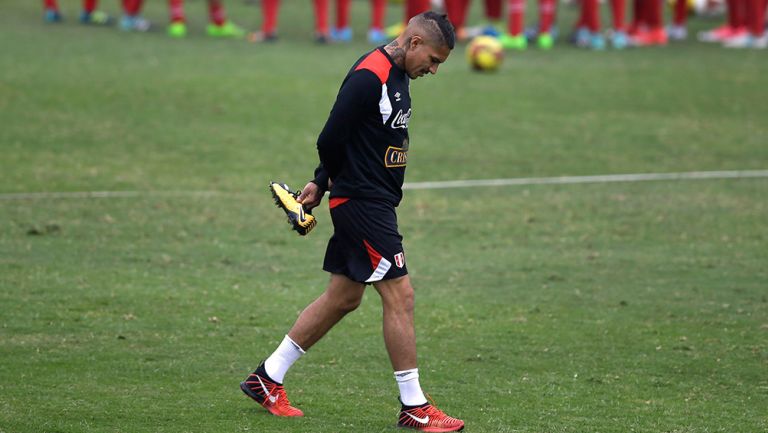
{"x": 363, "y": 152}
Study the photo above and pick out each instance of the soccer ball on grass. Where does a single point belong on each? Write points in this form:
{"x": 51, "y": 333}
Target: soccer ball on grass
{"x": 485, "y": 53}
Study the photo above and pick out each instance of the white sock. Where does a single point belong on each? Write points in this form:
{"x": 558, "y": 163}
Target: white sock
{"x": 410, "y": 389}
{"x": 282, "y": 359}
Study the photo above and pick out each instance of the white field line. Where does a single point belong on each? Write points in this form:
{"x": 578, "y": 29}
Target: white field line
{"x": 570, "y": 180}
{"x": 562, "y": 180}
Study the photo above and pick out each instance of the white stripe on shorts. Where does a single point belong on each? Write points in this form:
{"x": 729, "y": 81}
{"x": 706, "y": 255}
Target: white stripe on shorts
{"x": 380, "y": 271}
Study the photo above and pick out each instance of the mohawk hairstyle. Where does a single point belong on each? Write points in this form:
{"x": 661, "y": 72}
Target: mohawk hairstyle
{"x": 439, "y": 27}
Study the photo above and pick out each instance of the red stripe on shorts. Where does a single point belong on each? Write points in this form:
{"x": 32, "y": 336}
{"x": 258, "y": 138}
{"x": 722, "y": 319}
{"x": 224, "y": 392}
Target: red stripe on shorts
{"x": 337, "y": 201}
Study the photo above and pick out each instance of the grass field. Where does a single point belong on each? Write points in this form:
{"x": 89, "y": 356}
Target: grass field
{"x": 622, "y": 307}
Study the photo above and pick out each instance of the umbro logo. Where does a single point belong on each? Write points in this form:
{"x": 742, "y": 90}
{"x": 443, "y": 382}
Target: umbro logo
{"x": 397, "y": 97}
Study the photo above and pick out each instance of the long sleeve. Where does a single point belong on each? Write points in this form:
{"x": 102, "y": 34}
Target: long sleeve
{"x": 321, "y": 178}
{"x": 358, "y": 94}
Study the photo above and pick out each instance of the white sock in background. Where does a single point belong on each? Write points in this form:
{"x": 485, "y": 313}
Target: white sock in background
{"x": 282, "y": 359}
{"x": 410, "y": 389}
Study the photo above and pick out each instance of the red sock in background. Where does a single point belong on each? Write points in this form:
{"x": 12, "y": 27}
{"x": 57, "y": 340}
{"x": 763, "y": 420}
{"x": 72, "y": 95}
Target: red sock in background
{"x": 457, "y": 12}
{"x": 680, "y": 15}
{"x": 516, "y": 13}
{"x": 216, "y": 12}
{"x": 756, "y": 15}
{"x": 89, "y": 5}
{"x": 591, "y": 15}
{"x": 321, "y": 16}
{"x": 655, "y": 20}
{"x": 645, "y": 13}
{"x": 378, "y": 9}
{"x": 740, "y": 13}
{"x": 547, "y": 10}
{"x": 581, "y": 23}
{"x": 493, "y": 10}
{"x": 132, "y": 7}
{"x": 269, "y": 10}
{"x": 342, "y": 14}
{"x": 415, "y": 7}
{"x": 176, "y": 9}
{"x": 451, "y": 9}
{"x": 730, "y": 11}
{"x": 618, "y": 13}
{"x": 51, "y": 4}
{"x": 636, "y": 16}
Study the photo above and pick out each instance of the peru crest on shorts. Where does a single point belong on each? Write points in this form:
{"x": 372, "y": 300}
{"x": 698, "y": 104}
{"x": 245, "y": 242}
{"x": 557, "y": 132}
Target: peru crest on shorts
{"x": 399, "y": 260}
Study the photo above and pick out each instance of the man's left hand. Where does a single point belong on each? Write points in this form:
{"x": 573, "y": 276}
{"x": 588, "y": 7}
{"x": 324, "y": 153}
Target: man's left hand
{"x": 310, "y": 196}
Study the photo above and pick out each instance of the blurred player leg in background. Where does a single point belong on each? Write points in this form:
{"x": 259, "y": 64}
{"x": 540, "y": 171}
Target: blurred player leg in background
{"x": 132, "y": 21}
{"x": 619, "y": 38}
{"x": 514, "y": 39}
{"x": 592, "y": 37}
{"x": 342, "y": 32}
{"x": 52, "y": 14}
{"x": 754, "y": 37}
{"x": 322, "y": 34}
{"x": 580, "y": 36}
{"x": 412, "y": 8}
{"x": 677, "y": 31}
{"x": 178, "y": 26}
{"x": 637, "y": 18}
{"x": 88, "y": 15}
{"x": 547, "y": 11}
{"x": 493, "y": 15}
{"x": 376, "y": 33}
{"x": 415, "y": 7}
{"x": 588, "y": 32}
{"x": 655, "y": 34}
{"x": 218, "y": 25}
{"x": 457, "y": 13}
{"x": 546, "y": 27}
{"x": 269, "y": 11}
{"x": 492, "y": 24}
{"x": 734, "y": 27}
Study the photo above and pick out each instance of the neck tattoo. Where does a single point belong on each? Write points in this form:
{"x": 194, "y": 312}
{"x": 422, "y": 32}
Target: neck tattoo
{"x": 396, "y": 52}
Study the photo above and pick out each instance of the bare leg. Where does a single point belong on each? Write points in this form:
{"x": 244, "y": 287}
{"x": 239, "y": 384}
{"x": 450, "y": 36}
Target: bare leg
{"x": 341, "y": 297}
{"x": 397, "y": 300}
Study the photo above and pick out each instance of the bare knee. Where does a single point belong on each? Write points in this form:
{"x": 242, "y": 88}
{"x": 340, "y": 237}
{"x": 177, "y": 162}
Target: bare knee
{"x": 344, "y": 295}
{"x": 347, "y": 304}
{"x": 405, "y": 306}
{"x": 397, "y": 294}
{"x": 406, "y": 298}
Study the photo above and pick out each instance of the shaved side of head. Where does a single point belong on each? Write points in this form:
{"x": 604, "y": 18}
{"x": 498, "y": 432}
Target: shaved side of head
{"x": 433, "y": 27}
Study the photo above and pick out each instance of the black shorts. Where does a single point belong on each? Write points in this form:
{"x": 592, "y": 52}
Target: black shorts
{"x": 365, "y": 246}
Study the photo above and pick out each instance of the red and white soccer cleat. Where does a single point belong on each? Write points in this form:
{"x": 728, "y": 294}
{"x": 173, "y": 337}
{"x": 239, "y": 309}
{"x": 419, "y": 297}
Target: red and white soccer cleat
{"x": 271, "y": 395}
{"x": 649, "y": 38}
{"x": 428, "y": 418}
{"x": 721, "y": 34}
